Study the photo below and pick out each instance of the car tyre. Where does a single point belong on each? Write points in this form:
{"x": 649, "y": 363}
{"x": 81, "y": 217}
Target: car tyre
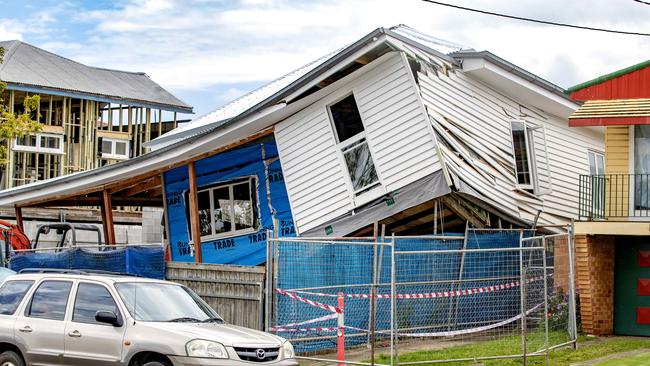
{"x": 10, "y": 358}
{"x": 152, "y": 363}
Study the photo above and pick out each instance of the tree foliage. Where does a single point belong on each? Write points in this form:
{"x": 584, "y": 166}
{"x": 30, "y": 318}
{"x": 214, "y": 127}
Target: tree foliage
{"x": 16, "y": 124}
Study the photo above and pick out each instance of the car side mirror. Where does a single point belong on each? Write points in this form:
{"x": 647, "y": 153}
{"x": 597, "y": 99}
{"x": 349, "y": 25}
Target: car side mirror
{"x": 108, "y": 317}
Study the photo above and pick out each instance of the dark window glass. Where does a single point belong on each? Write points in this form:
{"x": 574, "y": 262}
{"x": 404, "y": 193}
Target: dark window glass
{"x": 90, "y": 299}
{"x": 107, "y": 146}
{"x": 243, "y": 206}
{"x": 204, "y": 213}
{"x": 360, "y": 166}
{"x": 29, "y": 140}
{"x": 347, "y": 119}
{"x": 222, "y": 210}
{"x": 522, "y": 164}
{"x": 50, "y": 300}
{"x": 120, "y": 148}
{"x": 11, "y": 294}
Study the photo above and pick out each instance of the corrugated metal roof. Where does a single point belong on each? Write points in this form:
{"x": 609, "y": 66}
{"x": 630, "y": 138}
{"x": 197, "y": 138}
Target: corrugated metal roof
{"x": 255, "y": 97}
{"x": 613, "y": 109}
{"x": 241, "y": 104}
{"x": 29, "y": 67}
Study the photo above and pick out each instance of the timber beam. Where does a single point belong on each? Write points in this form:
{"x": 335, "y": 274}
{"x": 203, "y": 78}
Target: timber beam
{"x": 454, "y": 204}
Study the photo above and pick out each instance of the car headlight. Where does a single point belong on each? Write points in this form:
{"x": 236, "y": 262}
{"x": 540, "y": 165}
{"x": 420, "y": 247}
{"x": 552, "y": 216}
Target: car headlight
{"x": 205, "y": 349}
{"x": 287, "y": 350}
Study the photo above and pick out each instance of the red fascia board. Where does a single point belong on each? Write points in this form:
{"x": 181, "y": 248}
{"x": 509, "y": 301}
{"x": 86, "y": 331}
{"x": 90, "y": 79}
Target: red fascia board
{"x": 609, "y": 121}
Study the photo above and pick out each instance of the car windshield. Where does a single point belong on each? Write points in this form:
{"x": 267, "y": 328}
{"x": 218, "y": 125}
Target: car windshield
{"x": 162, "y": 302}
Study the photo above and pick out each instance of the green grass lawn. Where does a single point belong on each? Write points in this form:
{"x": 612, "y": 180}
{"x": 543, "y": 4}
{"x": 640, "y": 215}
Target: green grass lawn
{"x": 642, "y": 359}
{"x": 588, "y": 349}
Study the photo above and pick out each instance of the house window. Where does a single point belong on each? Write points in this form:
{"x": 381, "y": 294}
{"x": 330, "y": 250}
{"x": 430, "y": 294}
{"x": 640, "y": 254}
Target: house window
{"x": 596, "y": 163}
{"x": 117, "y": 149}
{"x": 353, "y": 144}
{"x": 45, "y": 143}
{"x": 227, "y": 209}
{"x": 522, "y": 149}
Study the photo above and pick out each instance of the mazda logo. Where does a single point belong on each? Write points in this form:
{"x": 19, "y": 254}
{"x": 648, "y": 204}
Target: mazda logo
{"x": 260, "y": 353}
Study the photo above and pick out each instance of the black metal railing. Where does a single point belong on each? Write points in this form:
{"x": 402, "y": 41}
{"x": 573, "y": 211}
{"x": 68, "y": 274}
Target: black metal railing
{"x": 614, "y": 195}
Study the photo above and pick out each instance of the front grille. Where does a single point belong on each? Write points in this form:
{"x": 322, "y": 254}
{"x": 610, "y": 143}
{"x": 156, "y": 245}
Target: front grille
{"x": 253, "y": 354}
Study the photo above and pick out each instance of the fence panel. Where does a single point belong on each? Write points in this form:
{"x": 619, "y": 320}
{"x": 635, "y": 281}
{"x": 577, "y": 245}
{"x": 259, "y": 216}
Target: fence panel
{"x": 235, "y": 292}
{"x": 502, "y": 293}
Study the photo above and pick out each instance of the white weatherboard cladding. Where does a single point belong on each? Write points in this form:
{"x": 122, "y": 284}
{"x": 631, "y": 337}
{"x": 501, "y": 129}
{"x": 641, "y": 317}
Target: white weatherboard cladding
{"x": 396, "y": 127}
{"x": 472, "y": 121}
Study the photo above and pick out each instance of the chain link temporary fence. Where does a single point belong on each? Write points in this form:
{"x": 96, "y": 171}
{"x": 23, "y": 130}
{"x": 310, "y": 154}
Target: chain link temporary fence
{"x": 502, "y": 293}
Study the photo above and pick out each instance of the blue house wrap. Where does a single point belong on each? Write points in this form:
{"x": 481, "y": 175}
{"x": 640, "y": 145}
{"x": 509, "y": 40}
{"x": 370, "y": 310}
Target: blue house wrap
{"x": 258, "y": 160}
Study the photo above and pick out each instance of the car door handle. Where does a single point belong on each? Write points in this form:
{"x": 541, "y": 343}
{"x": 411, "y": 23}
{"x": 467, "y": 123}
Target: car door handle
{"x": 74, "y": 334}
{"x": 26, "y": 329}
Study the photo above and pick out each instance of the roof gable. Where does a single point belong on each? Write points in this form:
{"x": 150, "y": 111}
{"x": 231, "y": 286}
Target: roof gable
{"x": 30, "y": 68}
{"x": 629, "y": 83}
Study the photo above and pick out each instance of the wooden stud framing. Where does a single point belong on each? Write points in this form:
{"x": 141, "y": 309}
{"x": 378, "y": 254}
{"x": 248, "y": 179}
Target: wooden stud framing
{"x": 107, "y": 218}
{"x": 194, "y": 214}
{"x": 19, "y": 218}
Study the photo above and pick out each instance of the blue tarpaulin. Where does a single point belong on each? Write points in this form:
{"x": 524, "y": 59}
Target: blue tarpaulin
{"x": 141, "y": 261}
{"x": 259, "y": 161}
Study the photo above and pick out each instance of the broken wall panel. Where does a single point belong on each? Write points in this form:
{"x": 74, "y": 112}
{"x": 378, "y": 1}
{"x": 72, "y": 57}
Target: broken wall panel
{"x": 473, "y": 120}
{"x": 395, "y": 128}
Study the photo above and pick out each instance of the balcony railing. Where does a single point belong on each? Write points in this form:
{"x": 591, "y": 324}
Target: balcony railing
{"x": 614, "y": 196}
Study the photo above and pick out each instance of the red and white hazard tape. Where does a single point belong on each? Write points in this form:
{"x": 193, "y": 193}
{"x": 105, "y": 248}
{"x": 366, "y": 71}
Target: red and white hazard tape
{"x": 325, "y": 329}
{"x": 431, "y": 295}
{"x": 310, "y": 321}
{"x": 472, "y": 330}
{"x": 308, "y": 302}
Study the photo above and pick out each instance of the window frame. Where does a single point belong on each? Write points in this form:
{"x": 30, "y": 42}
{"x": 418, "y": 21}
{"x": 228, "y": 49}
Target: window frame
{"x": 364, "y": 194}
{"x": 38, "y": 148}
{"x": 596, "y": 155}
{"x": 73, "y": 304}
{"x": 26, "y": 294}
{"x": 35, "y": 288}
{"x": 532, "y": 173}
{"x": 252, "y": 182}
{"x": 113, "y": 155}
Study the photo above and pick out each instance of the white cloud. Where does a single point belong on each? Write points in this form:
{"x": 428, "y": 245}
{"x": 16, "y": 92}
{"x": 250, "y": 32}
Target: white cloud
{"x": 9, "y": 31}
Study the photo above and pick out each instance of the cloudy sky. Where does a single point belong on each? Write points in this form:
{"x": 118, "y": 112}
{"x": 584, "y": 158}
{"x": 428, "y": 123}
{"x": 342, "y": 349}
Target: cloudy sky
{"x": 209, "y": 52}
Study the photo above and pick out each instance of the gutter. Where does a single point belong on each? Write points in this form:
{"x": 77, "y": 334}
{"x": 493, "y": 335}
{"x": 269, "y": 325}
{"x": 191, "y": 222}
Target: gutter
{"x": 512, "y": 68}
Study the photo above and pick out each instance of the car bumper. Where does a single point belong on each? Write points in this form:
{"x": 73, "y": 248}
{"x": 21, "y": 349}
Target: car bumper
{"x": 193, "y": 361}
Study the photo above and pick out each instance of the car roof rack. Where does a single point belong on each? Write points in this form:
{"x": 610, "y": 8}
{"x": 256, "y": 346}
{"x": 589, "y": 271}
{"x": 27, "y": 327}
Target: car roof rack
{"x": 75, "y": 272}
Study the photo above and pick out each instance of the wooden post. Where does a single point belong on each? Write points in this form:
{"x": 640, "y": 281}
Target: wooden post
{"x": 159, "y": 122}
{"x": 194, "y": 214}
{"x": 107, "y": 218}
{"x": 19, "y": 218}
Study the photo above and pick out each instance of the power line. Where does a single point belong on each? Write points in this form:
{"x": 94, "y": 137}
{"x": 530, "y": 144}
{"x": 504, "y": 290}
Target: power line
{"x": 541, "y": 21}
{"x": 642, "y": 2}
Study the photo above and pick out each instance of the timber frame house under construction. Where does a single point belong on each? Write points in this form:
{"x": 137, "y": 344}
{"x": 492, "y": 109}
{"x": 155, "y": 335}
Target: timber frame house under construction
{"x": 91, "y": 116}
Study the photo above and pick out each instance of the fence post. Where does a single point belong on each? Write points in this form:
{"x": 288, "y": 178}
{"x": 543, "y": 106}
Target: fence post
{"x": 572, "y": 287}
{"x": 269, "y": 283}
{"x": 394, "y": 356}
{"x": 340, "y": 341}
{"x": 522, "y": 300}
{"x": 546, "y": 340}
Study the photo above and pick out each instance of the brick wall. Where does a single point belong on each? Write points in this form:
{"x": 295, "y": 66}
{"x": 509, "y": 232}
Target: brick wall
{"x": 595, "y": 282}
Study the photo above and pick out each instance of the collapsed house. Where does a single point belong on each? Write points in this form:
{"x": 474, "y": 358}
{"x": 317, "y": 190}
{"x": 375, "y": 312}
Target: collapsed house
{"x": 399, "y": 129}
{"x": 91, "y": 117}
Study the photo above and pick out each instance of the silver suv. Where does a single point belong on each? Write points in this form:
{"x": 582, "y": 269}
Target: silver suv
{"x": 81, "y": 318}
